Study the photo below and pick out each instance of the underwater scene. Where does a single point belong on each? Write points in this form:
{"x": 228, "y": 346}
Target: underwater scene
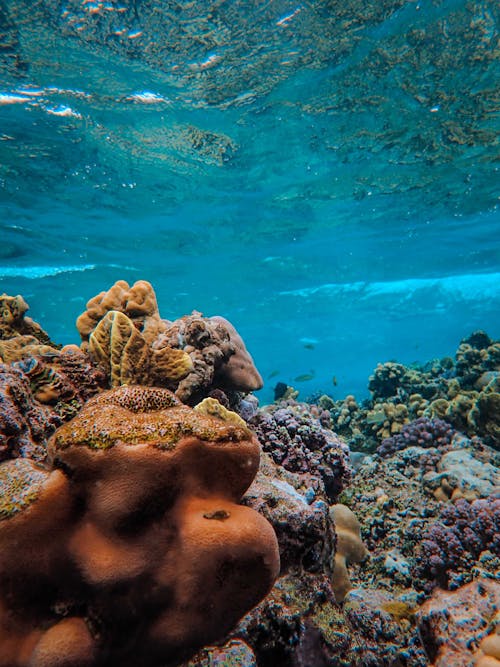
{"x": 249, "y": 333}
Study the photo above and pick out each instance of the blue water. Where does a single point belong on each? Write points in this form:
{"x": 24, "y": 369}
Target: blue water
{"x": 324, "y": 175}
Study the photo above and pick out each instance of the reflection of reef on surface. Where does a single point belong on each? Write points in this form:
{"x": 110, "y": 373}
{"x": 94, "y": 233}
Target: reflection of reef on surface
{"x": 406, "y": 74}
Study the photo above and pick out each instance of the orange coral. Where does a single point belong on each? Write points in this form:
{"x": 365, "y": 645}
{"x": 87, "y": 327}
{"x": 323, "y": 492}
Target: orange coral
{"x": 137, "y": 527}
{"x": 137, "y": 302}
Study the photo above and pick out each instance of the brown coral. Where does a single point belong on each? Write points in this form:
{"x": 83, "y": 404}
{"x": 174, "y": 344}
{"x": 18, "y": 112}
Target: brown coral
{"x": 13, "y": 320}
{"x": 192, "y": 356}
{"x": 239, "y": 371}
{"x": 137, "y": 302}
{"x": 149, "y": 541}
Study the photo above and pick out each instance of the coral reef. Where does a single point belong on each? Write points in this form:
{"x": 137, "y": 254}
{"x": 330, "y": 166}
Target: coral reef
{"x": 397, "y": 499}
{"x": 452, "y": 544}
{"x": 464, "y": 392}
{"x": 140, "y": 505}
{"x": 422, "y": 432}
{"x": 124, "y": 334}
{"x": 135, "y": 529}
{"x": 298, "y": 441}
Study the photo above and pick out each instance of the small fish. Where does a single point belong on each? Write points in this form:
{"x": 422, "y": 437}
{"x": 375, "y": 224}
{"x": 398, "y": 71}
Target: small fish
{"x": 334, "y": 380}
{"x": 273, "y": 374}
{"x": 309, "y": 343}
{"x": 304, "y": 377}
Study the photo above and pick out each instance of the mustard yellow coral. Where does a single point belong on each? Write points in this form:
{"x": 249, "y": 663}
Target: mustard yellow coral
{"x": 120, "y": 349}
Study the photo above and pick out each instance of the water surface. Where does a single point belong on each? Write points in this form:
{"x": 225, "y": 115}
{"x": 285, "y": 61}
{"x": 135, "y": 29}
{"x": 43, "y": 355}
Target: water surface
{"x": 323, "y": 174}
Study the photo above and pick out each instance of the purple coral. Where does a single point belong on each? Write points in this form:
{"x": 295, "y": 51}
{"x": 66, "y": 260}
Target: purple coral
{"x": 298, "y": 441}
{"x": 422, "y": 432}
{"x": 452, "y": 545}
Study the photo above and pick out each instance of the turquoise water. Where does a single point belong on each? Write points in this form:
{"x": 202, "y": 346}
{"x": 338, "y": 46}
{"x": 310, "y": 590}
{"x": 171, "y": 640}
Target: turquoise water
{"x": 323, "y": 174}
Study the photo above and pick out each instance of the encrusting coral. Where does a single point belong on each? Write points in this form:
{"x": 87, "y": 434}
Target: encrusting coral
{"x": 131, "y": 548}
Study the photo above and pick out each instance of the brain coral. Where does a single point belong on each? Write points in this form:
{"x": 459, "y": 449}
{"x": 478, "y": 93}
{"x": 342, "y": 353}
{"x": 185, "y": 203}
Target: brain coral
{"x": 131, "y": 548}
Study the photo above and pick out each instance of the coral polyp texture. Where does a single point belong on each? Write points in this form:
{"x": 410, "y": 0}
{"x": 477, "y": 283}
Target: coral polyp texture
{"x": 452, "y": 545}
{"x": 131, "y": 547}
{"x": 422, "y": 432}
{"x": 298, "y": 440}
{"x": 124, "y": 334}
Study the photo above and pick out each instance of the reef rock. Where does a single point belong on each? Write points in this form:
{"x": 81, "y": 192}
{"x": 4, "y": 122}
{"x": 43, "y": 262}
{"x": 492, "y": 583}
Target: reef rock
{"x": 452, "y": 624}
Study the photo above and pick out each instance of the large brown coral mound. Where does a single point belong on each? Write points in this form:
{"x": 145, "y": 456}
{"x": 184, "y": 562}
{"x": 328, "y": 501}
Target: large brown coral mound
{"x": 132, "y": 549}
